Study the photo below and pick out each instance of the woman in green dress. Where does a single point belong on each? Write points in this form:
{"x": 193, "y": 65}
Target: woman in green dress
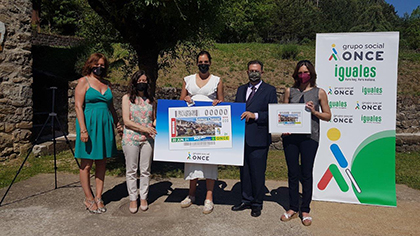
{"x": 95, "y": 122}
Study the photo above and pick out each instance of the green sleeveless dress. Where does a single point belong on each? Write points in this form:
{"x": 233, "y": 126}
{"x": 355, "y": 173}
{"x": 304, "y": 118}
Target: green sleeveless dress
{"x": 100, "y": 127}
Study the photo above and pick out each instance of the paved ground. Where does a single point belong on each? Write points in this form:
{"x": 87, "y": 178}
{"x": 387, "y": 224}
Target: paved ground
{"x": 33, "y": 207}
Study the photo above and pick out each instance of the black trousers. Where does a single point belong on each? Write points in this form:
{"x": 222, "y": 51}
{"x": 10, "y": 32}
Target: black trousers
{"x": 295, "y": 145}
{"x": 253, "y": 175}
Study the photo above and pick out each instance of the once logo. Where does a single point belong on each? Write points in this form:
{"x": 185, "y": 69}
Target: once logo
{"x": 341, "y": 91}
{"x": 203, "y": 157}
{"x": 334, "y": 54}
{"x": 373, "y": 107}
{"x": 343, "y": 119}
{"x": 362, "y": 55}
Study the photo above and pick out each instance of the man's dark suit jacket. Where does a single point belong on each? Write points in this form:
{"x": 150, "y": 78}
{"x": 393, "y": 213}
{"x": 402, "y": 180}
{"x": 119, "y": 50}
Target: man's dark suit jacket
{"x": 256, "y": 132}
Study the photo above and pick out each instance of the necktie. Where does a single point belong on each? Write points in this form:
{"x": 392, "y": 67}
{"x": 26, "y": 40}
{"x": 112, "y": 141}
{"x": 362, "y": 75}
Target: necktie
{"x": 252, "y": 93}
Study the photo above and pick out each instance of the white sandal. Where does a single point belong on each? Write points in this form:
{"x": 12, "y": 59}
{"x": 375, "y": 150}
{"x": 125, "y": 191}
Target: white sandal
{"x": 188, "y": 201}
{"x": 288, "y": 216}
{"x": 208, "y": 207}
{"x": 306, "y": 219}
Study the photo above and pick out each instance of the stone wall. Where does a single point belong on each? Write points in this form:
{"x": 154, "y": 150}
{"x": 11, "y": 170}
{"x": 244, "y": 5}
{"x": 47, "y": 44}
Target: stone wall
{"x": 15, "y": 78}
{"x": 408, "y": 123}
{"x": 51, "y": 40}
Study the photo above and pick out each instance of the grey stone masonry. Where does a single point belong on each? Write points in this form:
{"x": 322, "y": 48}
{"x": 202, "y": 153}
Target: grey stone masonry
{"x": 15, "y": 78}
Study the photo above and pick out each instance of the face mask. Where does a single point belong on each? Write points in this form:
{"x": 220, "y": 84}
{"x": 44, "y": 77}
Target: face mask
{"x": 203, "y": 68}
{"x": 254, "y": 76}
{"x": 304, "y": 78}
{"x": 141, "y": 87}
{"x": 98, "y": 70}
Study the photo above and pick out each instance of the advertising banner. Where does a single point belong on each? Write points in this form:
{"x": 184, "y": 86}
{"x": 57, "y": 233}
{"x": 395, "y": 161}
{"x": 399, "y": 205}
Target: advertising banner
{"x": 202, "y": 133}
{"x": 355, "y": 162}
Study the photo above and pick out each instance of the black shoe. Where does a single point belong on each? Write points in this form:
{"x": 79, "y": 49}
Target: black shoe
{"x": 241, "y": 207}
{"x": 256, "y": 211}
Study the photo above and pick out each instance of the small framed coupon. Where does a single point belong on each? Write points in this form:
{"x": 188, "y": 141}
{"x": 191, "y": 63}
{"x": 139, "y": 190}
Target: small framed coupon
{"x": 289, "y": 118}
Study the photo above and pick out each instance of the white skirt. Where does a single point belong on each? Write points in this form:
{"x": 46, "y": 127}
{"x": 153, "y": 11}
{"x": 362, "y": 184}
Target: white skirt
{"x": 200, "y": 171}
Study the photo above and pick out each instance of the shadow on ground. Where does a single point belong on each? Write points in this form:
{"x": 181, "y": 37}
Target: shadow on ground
{"x": 222, "y": 195}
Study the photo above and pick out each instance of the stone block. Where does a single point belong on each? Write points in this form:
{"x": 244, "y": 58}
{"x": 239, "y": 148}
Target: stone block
{"x": 18, "y": 103}
{"x": 275, "y": 138}
{"x": 9, "y": 127}
{"x": 7, "y": 68}
{"x": 25, "y": 91}
{"x": 18, "y": 79}
{"x": 24, "y": 148}
{"x": 21, "y": 135}
{"x": 24, "y": 125}
{"x": 6, "y": 140}
{"x": 276, "y": 146}
{"x": 26, "y": 72}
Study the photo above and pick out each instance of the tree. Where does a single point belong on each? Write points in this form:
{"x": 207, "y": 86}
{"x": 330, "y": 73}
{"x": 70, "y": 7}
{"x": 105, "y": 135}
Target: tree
{"x": 336, "y": 15}
{"x": 411, "y": 31}
{"x": 60, "y": 16}
{"x": 157, "y": 26}
{"x": 376, "y": 15}
{"x": 295, "y": 20}
{"x": 246, "y": 21}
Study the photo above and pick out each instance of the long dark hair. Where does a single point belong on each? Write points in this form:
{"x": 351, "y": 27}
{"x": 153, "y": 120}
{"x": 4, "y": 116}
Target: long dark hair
{"x": 132, "y": 91}
{"x": 312, "y": 72}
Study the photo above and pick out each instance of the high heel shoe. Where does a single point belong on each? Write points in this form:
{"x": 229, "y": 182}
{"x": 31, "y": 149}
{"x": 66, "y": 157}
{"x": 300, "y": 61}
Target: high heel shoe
{"x": 99, "y": 201}
{"x": 89, "y": 204}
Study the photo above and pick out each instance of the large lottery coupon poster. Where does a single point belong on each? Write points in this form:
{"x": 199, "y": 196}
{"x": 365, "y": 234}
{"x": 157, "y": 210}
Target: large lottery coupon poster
{"x": 201, "y": 133}
{"x": 355, "y": 162}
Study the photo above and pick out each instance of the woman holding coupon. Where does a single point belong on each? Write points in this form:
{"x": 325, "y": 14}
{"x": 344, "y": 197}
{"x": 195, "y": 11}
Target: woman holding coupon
{"x": 304, "y": 90}
{"x": 138, "y": 110}
{"x": 202, "y": 86}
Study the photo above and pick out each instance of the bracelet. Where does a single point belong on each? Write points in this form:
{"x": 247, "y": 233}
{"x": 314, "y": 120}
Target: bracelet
{"x": 83, "y": 132}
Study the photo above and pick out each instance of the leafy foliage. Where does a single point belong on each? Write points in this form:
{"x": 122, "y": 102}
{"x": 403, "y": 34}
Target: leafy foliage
{"x": 60, "y": 16}
{"x": 246, "y": 21}
{"x": 411, "y": 29}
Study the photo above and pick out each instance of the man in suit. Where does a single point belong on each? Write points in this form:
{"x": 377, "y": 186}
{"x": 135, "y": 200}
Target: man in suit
{"x": 257, "y": 96}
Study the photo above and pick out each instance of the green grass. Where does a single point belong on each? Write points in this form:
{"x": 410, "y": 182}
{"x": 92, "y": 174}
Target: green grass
{"x": 34, "y": 166}
{"x": 407, "y": 168}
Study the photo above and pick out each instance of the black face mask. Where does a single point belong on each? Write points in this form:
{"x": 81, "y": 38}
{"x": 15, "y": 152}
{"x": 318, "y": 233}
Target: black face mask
{"x": 98, "y": 70}
{"x": 203, "y": 68}
{"x": 141, "y": 87}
